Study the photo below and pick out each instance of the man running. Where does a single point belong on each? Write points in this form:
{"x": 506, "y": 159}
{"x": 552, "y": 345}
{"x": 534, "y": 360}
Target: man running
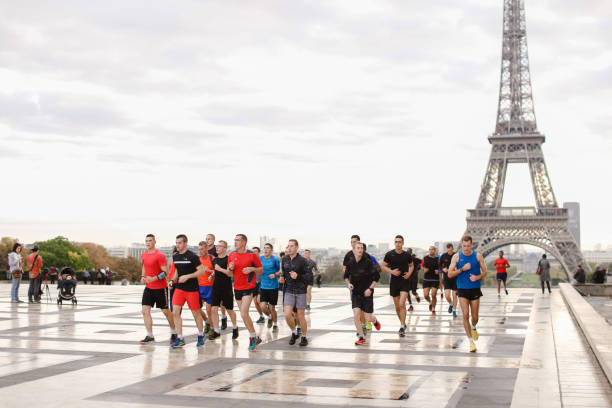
{"x": 294, "y": 277}
{"x": 431, "y": 278}
{"x": 361, "y": 277}
{"x": 188, "y": 268}
{"x": 210, "y": 245}
{"x": 245, "y": 265}
{"x": 222, "y": 293}
{"x": 413, "y": 281}
{"x": 469, "y": 267}
{"x": 311, "y": 270}
{"x": 205, "y": 282}
{"x": 398, "y": 263}
{"x": 261, "y": 320}
{"x": 154, "y": 272}
{"x": 268, "y": 289}
{"x": 501, "y": 265}
{"x": 450, "y": 284}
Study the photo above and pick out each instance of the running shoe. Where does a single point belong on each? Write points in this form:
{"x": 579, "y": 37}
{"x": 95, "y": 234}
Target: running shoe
{"x": 178, "y": 343}
{"x": 304, "y": 341}
{"x": 173, "y": 338}
{"x": 442, "y": 296}
{"x": 475, "y": 334}
{"x": 214, "y": 335}
{"x": 450, "y": 308}
{"x": 200, "y": 342}
{"x": 234, "y": 333}
{"x": 410, "y": 308}
{"x": 454, "y": 314}
{"x": 275, "y": 328}
{"x": 498, "y": 295}
{"x": 252, "y": 343}
{"x": 293, "y": 338}
{"x": 402, "y": 332}
{"x": 369, "y": 326}
{"x": 506, "y": 291}
{"x": 307, "y": 307}
{"x": 361, "y": 340}
{"x": 433, "y": 312}
{"x": 147, "y": 339}
{"x": 430, "y": 308}
{"x": 224, "y": 323}
{"x": 270, "y": 323}
{"x": 377, "y": 324}
{"x": 418, "y": 299}
{"x": 472, "y": 347}
{"x": 261, "y": 320}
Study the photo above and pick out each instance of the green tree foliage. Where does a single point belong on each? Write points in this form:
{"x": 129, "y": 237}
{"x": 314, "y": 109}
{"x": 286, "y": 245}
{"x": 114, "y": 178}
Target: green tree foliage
{"x": 60, "y": 252}
{"x": 6, "y": 246}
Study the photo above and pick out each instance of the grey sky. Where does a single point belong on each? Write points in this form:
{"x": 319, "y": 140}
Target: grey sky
{"x": 313, "y": 120}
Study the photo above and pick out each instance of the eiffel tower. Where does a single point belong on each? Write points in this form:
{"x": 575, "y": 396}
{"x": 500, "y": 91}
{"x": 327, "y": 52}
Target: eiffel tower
{"x": 517, "y": 140}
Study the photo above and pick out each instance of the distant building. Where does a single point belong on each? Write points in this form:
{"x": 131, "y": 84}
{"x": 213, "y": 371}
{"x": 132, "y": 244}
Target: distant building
{"x": 117, "y": 251}
{"x": 598, "y": 257}
{"x": 135, "y": 250}
{"x": 573, "y": 212}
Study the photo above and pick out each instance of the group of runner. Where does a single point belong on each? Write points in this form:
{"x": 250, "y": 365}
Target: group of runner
{"x": 206, "y": 280}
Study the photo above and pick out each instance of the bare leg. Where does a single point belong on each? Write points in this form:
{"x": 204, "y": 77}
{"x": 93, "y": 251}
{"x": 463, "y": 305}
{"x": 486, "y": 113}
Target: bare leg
{"x": 357, "y": 318}
{"x": 148, "y": 320}
{"x": 402, "y": 310}
{"x": 258, "y": 305}
{"x": 499, "y": 285}
{"x": 465, "y": 310}
{"x": 289, "y": 317}
{"x": 434, "y": 298}
{"x": 454, "y": 300}
{"x": 273, "y": 313}
{"x": 447, "y": 295}
{"x": 301, "y": 316}
{"x": 178, "y": 321}
{"x": 308, "y": 294}
{"x": 198, "y": 319}
{"x": 474, "y": 307}
{"x": 214, "y": 317}
{"x": 426, "y": 295}
{"x": 168, "y": 315}
{"x": 243, "y": 305}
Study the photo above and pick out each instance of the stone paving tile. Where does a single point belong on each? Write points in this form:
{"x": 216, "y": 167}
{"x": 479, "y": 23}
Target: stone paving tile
{"x": 93, "y": 347}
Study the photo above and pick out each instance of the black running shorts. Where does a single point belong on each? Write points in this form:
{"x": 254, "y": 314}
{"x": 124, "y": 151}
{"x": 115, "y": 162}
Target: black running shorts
{"x": 397, "y": 285}
{"x": 155, "y": 297}
{"x": 450, "y": 283}
{"x": 222, "y": 295}
{"x": 364, "y": 303}
{"x": 431, "y": 284}
{"x": 240, "y": 293}
{"x": 268, "y": 296}
{"x": 469, "y": 294}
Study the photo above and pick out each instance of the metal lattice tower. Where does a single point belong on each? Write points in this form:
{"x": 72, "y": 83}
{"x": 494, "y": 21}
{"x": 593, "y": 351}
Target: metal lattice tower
{"x": 517, "y": 140}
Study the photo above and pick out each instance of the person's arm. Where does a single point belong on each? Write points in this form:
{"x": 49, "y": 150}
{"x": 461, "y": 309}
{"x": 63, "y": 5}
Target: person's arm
{"x": 385, "y": 268}
{"x": 452, "y": 270}
{"x": 410, "y": 270}
{"x": 143, "y": 277}
{"x": 222, "y": 270}
{"x": 483, "y": 269}
{"x": 347, "y": 278}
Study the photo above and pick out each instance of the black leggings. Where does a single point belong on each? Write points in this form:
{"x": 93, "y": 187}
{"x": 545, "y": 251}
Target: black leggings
{"x": 547, "y": 284}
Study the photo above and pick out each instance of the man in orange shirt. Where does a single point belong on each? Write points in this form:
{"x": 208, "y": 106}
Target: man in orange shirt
{"x": 34, "y": 264}
{"x": 205, "y": 282}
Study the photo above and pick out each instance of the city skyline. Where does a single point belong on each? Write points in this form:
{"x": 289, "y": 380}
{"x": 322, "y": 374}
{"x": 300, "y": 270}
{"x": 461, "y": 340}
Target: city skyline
{"x": 331, "y": 98}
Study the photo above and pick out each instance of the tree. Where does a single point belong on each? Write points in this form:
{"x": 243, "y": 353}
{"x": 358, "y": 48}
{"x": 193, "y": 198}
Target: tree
{"x": 128, "y": 268}
{"x": 333, "y": 274}
{"x": 60, "y": 252}
{"x": 6, "y": 246}
{"x": 97, "y": 254}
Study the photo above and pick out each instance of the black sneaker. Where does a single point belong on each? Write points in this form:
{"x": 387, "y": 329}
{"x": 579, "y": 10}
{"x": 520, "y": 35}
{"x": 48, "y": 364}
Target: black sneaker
{"x": 224, "y": 323}
{"x": 261, "y": 320}
{"x": 173, "y": 338}
{"x": 270, "y": 323}
{"x": 307, "y": 307}
{"x": 234, "y": 333}
{"x": 147, "y": 339}
{"x": 214, "y": 335}
{"x": 293, "y": 338}
{"x": 506, "y": 291}
{"x": 402, "y": 332}
{"x": 304, "y": 341}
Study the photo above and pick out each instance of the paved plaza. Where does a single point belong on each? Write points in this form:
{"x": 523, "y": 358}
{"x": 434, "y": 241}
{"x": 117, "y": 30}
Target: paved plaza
{"x": 530, "y": 353}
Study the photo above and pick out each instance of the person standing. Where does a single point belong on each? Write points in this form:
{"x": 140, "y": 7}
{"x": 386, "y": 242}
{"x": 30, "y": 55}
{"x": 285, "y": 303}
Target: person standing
{"x": 469, "y": 267}
{"x": 85, "y": 276}
{"x": 53, "y": 275}
{"x": 268, "y": 291}
{"x": 245, "y": 265}
{"x": 188, "y": 268}
{"x": 311, "y": 270}
{"x": 431, "y": 278}
{"x": 450, "y": 284}
{"x": 222, "y": 293}
{"x": 361, "y": 277}
{"x": 34, "y": 264}
{"x": 15, "y": 262}
{"x": 153, "y": 275}
{"x": 501, "y": 265}
{"x": 544, "y": 271}
{"x": 294, "y": 277}
{"x": 398, "y": 263}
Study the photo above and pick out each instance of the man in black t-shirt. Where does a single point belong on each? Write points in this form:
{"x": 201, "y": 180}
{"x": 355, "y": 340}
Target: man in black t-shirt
{"x": 431, "y": 278}
{"x": 413, "y": 281}
{"x": 222, "y": 292}
{"x": 450, "y": 284}
{"x": 186, "y": 289}
{"x": 398, "y": 263}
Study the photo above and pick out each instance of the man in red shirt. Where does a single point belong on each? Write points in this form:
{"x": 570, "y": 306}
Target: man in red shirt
{"x": 245, "y": 265}
{"x": 502, "y": 265}
{"x": 34, "y": 264}
{"x": 154, "y": 272}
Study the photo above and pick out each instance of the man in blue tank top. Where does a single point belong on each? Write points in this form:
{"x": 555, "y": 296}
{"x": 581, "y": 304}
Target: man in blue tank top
{"x": 469, "y": 267}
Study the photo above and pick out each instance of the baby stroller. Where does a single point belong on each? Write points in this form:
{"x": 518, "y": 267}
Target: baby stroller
{"x": 66, "y": 286}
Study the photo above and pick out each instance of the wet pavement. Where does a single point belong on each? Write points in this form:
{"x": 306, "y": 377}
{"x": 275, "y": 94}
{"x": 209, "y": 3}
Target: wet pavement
{"x": 530, "y": 353}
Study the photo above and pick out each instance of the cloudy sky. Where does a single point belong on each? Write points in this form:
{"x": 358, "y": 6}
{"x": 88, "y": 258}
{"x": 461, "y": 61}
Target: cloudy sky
{"x": 305, "y": 119}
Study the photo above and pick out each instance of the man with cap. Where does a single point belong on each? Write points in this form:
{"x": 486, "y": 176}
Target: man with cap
{"x": 34, "y": 264}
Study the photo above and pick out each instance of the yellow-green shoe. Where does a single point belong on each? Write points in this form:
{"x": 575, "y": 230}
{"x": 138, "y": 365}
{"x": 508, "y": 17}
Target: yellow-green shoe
{"x": 475, "y": 334}
{"x": 472, "y": 347}
{"x": 369, "y": 326}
